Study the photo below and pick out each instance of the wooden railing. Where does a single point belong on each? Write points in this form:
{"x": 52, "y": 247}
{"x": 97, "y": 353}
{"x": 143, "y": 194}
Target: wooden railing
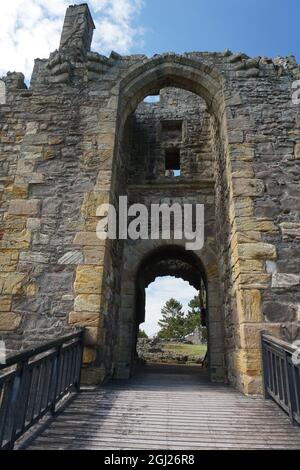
{"x": 281, "y": 375}
{"x": 34, "y": 381}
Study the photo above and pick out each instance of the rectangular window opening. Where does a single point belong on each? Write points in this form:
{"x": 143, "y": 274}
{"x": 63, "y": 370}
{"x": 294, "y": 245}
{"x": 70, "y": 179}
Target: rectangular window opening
{"x": 152, "y": 99}
{"x": 172, "y": 162}
{"x": 171, "y": 130}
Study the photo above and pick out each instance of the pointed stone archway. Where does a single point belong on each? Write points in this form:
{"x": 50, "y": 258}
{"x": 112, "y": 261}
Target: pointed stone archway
{"x": 143, "y": 262}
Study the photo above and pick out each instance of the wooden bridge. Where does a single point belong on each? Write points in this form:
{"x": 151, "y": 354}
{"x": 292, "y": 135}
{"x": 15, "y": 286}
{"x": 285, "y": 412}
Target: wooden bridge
{"x": 162, "y": 407}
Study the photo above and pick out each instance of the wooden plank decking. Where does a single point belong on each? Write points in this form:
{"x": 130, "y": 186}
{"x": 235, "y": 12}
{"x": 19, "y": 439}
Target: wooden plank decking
{"x": 166, "y": 407}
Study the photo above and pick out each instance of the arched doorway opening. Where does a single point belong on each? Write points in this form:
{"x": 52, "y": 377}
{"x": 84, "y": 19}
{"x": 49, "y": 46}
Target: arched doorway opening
{"x": 183, "y": 127}
{"x": 171, "y": 268}
{"x": 143, "y": 263}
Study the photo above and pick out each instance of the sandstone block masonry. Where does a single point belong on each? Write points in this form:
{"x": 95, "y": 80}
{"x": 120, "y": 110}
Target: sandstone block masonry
{"x": 80, "y": 134}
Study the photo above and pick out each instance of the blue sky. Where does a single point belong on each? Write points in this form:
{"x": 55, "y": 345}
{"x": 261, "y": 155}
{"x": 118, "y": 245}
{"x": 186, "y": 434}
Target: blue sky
{"x": 32, "y": 28}
{"x": 257, "y": 27}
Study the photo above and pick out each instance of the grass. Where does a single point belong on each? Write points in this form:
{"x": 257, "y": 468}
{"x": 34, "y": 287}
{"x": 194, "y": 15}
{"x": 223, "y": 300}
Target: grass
{"x": 186, "y": 349}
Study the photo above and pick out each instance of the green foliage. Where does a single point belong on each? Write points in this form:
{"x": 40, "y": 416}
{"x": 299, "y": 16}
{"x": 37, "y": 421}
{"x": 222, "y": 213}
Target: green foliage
{"x": 142, "y": 334}
{"x": 175, "y": 325}
{"x": 194, "y": 305}
{"x": 193, "y": 318}
{"x": 173, "y": 322}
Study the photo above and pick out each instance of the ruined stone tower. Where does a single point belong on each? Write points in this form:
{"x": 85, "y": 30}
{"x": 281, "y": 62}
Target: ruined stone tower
{"x": 81, "y": 135}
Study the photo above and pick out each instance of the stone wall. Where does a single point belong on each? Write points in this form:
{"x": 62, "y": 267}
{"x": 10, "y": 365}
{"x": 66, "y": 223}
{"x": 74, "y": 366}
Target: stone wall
{"x": 63, "y": 152}
{"x": 2, "y": 92}
{"x": 178, "y": 121}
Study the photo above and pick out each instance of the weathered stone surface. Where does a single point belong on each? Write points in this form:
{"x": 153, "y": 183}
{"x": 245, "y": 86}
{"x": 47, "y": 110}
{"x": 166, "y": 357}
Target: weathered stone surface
{"x": 2, "y": 92}
{"x": 250, "y": 334}
{"x": 235, "y": 137}
{"x": 77, "y": 30}
{"x": 14, "y": 223}
{"x": 87, "y": 303}
{"x": 88, "y": 239}
{"x": 92, "y": 319}
{"x": 11, "y": 283}
{"x": 92, "y": 201}
{"x": 29, "y": 178}
{"x": 32, "y": 128}
{"x": 248, "y": 187}
{"x": 297, "y": 150}
{"x": 255, "y": 225}
{"x": 279, "y": 311}
{"x": 249, "y": 361}
{"x": 51, "y": 206}
{"x": 290, "y": 230}
{"x": 285, "y": 280}
{"x": 241, "y": 152}
{"x": 34, "y": 257}
{"x": 60, "y": 281}
{"x": 5, "y": 303}
{"x": 88, "y": 280}
{"x": 72, "y": 257}
{"x": 256, "y": 251}
{"x": 23, "y": 207}
{"x": 33, "y": 224}
{"x": 247, "y": 266}
{"x": 31, "y": 289}
{"x": 8, "y": 260}
{"x": 249, "y": 306}
{"x": 242, "y": 169}
{"x": 251, "y": 385}
{"x": 246, "y": 237}
{"x": 9, "y": 321}
{"x": 91, "y": 335}
{"x": 94, "y": 256}
{"x": 18, "y": 240}
{"x": 89, "y": 355}
{"x": 254, "y": 281}
{"x": 241, "y": 207}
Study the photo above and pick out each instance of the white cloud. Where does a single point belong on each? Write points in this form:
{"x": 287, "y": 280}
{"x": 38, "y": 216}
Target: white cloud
{"x": 114, "y": 21}
{"x": 31, "y": 29}
{"x": 158, "y": 292}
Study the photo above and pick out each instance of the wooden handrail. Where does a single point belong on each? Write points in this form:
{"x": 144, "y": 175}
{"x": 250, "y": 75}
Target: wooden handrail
{"x": 281, "y": 375}
{"x": 34, "y": 383}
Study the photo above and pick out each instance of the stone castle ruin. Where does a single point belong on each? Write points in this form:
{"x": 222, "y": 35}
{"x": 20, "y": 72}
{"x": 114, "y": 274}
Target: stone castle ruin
{"x": 223, "y": 131}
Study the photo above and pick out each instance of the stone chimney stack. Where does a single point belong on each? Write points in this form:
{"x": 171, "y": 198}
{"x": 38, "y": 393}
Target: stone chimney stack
{"x": 78, "y": 29}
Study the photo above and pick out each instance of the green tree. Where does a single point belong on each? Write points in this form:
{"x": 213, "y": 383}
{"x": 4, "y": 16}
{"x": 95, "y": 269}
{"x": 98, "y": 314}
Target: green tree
{"x": 142, "y": 334}
{"x": 193, "y": 318}
{"x": 172, "y": 323}
{"x": 193, "y": 315}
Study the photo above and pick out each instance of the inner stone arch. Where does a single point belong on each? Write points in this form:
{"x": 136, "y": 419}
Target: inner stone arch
{"x": 170, "y": 70}
{"x": 167, "y": 259}
{"x": 170, "y": 260}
